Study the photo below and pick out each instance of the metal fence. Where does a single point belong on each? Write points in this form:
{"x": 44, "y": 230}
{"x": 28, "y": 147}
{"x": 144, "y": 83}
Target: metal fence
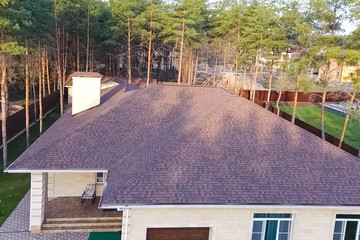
{"x": 15, "y": 123}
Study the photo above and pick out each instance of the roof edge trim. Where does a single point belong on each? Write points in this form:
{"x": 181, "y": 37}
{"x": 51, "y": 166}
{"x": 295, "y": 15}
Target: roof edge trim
{"x": 52, "y": 170}
{"x": 230, "y": 206}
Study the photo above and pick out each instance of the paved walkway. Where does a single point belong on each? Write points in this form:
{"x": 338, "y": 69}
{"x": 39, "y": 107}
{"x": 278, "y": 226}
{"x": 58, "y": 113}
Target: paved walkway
{"x": 16, "y": 227}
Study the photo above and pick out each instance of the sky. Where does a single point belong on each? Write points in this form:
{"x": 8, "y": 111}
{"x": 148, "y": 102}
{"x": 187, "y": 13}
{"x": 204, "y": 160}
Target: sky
{"x": 349, "y": 27}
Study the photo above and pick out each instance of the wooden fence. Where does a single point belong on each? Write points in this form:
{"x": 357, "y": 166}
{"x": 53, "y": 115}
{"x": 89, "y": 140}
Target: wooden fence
{"x": 288, "y": 96}
{"x": 15, "y": 123}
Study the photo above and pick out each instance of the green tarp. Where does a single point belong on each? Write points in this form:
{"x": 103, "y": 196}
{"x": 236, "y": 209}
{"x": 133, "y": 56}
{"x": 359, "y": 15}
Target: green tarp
{"x": 105, "y": 236}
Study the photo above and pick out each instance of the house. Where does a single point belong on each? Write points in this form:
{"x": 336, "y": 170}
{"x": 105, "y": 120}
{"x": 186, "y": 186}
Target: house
{"x": 184, "y": 162}
{"x": 339, "y": 72}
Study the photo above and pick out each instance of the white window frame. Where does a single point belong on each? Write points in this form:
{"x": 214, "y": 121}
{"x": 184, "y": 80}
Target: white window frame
{"x": 103, "y": 177}
{"x": 278, "y": 225}
{"x": 346, "y": 220}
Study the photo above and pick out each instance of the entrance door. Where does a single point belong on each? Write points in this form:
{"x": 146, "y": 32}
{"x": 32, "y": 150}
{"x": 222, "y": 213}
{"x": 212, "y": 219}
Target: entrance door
{"x": 177, "y": 234}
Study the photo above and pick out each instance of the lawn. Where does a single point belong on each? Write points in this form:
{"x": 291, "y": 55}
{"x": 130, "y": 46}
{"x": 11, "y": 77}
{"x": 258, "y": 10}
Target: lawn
{"x": 13, "y": 187}
{"x": 333, "y": 123}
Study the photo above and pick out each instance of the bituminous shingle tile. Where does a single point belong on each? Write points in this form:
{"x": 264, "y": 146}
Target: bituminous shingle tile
{"x": 196, "y": 145}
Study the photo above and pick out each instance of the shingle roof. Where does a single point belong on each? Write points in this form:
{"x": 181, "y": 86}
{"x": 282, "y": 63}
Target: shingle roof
{"x": 68, "y": 81}
{"x": 196, "y": 145}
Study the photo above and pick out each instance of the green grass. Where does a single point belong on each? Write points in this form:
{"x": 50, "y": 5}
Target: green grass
{"x": 13, "y": 187}
{"x": 333, "y": 123}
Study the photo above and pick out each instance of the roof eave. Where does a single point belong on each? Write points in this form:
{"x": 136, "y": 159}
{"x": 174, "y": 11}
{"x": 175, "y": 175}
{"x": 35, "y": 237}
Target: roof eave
{"x": 180, "y": 206}
{"x": 54, "y": 170}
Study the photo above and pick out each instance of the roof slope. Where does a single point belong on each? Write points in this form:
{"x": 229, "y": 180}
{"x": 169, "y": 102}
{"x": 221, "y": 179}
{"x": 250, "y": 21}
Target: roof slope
{"x": 69, "y": 82}
{"x": 196, "y": 145}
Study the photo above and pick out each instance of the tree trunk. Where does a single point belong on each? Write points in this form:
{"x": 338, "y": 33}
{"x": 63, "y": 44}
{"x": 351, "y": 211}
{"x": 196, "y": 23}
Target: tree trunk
{"x": 270, "y": 81}
{"x": 214, "y": 78}
{"x": 277, "y": 103}
{"x": 27, "y": 121}
{"x": 224, "y": 69}
{"x": 323, "y": 112}
{"x": 244, "y": 80}
{"x": 47, "y": 72}
{"x": 296, "y": 96}
{"x": 149, "y": 52}
{"x": 190, "y": 67}
{"x": 92, "y": 60}
{"x": 43, "y": 71}
{"x": 347, "y": 117}
{"x": 88, "y": 39}
{"x": 3, "y": 113}
{"x": 34, "y": 97}
{"x": 196, "y": 66}
{"x": 254, "y": 80}
{"x": 77, "y": 53}
{"x": 236, "y": 72}
{"x": 237, "y": 64}
{"x": 341, "y": 72}
{"x": 7, "y": 99}
{"x": 40, "y": 93}
{"x": 65, "y": 61}
{"x": 181, "y": 49}
{"x": 129, "y": 50}
{"x": 58, "y": 62}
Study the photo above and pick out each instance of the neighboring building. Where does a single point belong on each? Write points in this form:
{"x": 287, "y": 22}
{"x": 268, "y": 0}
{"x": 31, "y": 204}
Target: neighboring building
{"x": 178, "y": 162}
{"x": 338, "y": 72}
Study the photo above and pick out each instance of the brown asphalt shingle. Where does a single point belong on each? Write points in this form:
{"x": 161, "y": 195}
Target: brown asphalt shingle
{"x": 196, "y": 145}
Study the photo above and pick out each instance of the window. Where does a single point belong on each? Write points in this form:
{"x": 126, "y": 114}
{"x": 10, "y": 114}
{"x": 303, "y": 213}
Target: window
{"x": 268, "y": 226}
{"x": 100, "y": 177}
{"x": 347, "y": 227}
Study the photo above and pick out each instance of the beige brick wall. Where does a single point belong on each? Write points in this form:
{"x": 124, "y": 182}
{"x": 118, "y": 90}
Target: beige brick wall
{"x": 71, "y": 184}
{"x": 236, "y": 223}
{"x": 37, "y": 205}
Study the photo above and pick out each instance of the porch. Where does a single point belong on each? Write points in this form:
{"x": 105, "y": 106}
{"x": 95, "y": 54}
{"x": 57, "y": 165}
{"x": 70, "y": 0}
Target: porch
{"x": 71, "y": 207}
{"x": 68, "y": 214}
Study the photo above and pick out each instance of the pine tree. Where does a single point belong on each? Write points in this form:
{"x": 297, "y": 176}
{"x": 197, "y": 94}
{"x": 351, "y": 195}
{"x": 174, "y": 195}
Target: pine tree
{"x": 258, "y": 19}
{"x": 126, "y": 12}
{"x": 8, "y": 47}
{"x": 182, "y": 25}
{"x": 353, "y": 58}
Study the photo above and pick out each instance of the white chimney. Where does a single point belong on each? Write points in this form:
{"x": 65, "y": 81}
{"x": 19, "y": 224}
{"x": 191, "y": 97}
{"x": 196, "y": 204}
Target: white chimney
{"x": 85, "y": 93}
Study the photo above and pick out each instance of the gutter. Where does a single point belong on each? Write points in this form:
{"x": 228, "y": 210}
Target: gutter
{"x": 232, "y": 206}
{"x": 7, "y": 170}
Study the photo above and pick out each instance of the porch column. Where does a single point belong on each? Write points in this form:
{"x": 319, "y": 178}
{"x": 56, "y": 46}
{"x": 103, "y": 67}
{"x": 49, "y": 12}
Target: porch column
{"x": 125, "y": 228}
{"x": 37, "y": 202}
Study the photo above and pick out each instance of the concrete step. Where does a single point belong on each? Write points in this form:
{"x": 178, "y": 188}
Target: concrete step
{"x": 50, "y": 227}
{"x": 93, "y": 224}
{"x": 80, "y": 224}
{"x": 80, "y": 230}
{"x": 83, "y": 219}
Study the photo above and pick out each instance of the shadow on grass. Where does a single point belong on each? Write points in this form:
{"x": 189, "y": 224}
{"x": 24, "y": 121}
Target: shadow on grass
{"x": 13, "y": 187}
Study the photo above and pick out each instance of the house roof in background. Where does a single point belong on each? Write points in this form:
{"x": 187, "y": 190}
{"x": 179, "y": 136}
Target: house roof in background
{"x": 196, "y": 145}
